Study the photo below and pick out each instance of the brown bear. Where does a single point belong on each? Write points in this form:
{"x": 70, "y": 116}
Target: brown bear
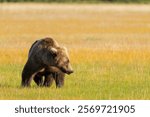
{"x": 46, "y": 58}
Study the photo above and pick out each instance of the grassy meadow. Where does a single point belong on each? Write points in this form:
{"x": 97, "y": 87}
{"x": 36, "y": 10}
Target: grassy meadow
{"x": 109, "y": 47}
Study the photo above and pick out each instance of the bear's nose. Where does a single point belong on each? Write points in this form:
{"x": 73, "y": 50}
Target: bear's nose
{"x": 70, "y": 72}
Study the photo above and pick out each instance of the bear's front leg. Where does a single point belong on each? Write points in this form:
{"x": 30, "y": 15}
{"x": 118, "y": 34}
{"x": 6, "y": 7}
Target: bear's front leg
{"x": 56, "y": 74}
{"x": 59, "y": 79}
{"x": 48, "y": 80}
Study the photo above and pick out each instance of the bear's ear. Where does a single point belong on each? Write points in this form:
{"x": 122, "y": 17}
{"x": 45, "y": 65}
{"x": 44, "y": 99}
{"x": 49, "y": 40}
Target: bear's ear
{"x": 53, "y": 50}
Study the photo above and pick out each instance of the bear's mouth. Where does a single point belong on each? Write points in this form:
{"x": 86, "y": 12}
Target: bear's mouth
{"x": 66, "y": 71}
{"x": 63, "y": 70}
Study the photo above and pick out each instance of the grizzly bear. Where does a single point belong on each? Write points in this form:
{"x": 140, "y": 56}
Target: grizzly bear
{"x": 46, "y": 58}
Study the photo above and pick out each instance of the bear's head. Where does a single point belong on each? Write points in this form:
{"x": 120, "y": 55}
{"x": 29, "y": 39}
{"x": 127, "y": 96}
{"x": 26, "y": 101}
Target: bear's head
{"x": 61, "y": 59}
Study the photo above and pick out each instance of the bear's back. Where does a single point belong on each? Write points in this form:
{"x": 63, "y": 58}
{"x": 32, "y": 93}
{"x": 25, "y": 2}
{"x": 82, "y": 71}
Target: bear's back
{"x": 49, "y": 42}
{"x": 42, "y": 44}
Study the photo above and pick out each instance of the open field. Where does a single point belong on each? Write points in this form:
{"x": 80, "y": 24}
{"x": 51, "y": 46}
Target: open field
{"x": 109, "y": 47}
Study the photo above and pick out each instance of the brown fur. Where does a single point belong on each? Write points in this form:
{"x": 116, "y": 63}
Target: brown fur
{"x": 46, "y": 58}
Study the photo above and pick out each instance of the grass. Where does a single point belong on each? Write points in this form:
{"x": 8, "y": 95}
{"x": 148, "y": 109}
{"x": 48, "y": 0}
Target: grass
{"x": 109, "y": 47}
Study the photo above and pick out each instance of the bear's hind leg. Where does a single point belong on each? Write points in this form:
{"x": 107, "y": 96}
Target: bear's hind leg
{"x": 28, "y": 73}
{"x": 26, "y": 78}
